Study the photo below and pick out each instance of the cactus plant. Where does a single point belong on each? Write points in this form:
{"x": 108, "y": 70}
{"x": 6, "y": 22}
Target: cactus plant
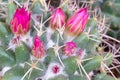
{"x": 65, "y": 49}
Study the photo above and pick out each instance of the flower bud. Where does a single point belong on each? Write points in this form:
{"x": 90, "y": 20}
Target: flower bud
{"x": 20, "y": 22}
{"x": 69, "y": 48}
{"x": 58, "y": 19}
{"x": 76, "y": 23}
{"x": 38, "y": 48}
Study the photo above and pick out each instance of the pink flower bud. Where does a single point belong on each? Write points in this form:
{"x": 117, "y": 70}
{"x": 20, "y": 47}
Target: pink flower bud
{"x": 76, "y": 23}
{"x": 38, "y": 48}
{"x": 58, "y": 19}
{"x": 69, "y": 48}
{"x": 20, "y": 22}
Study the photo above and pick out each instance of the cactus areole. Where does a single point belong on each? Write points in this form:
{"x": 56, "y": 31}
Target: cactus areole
{"x": 55, "y": 69}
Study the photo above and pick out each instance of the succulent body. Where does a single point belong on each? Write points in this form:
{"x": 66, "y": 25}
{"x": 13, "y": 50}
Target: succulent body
{"x": 53, "y": 55}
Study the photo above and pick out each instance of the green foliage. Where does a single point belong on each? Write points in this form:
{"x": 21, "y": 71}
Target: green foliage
{"x": 68, "y": 65}
{"x": 77, "y": 77}
{"x": 15, "y": 73}
{"x": 51, "y": 57}
{"x": 11, "y": 7}
{"x": 81, "y": 39}
{"x": 93, "y": 63}
{"x": 60, "y": 77}
{"x": 103, "y": 77}
{"x": 35, "y": 73}
{"x": 37, "y": 7}
{"x": 4, "y": 33}
{"x": 109, "y": 59}
{"x": 112, "y": 8}
{"x": 22, "y": 54}
{"x": 6, "y": 58}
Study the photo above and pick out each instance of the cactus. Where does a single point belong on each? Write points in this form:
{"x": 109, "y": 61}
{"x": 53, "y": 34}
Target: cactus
{"x": 42, "y": 42}
{"x": 111, "y": 9}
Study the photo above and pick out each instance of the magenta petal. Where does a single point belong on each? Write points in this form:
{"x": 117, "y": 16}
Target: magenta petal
{"x": 58, "y": 18}
{"x": 77, "y": 21}
{"x": 20, "y": 21}
{"x": 69, "y": 48}
{"x": 38, "y": 48}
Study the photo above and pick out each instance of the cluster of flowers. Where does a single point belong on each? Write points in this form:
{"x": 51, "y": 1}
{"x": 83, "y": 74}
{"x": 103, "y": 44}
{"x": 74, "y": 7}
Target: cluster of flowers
{"x": 74, "y": 25}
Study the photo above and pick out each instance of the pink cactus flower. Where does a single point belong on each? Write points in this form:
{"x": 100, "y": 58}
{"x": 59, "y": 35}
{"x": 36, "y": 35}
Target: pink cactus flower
{"x": 38, "y": 48}
{"x": 58, "y": 19}
{"x": 69, "y": 48}
{"x": 77, "y": 22}
{"x": 20, "y": 22}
